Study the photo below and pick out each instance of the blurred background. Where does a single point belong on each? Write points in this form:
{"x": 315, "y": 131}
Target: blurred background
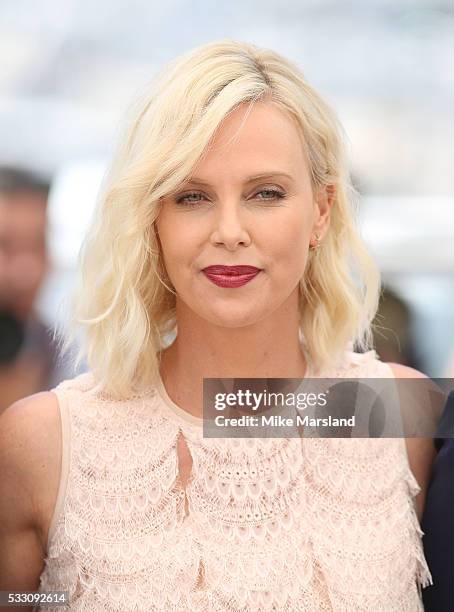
{"x": 70, "y": 69}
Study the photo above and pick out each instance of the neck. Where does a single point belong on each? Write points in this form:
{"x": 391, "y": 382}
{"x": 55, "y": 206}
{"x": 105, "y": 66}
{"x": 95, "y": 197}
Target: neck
{"x": 270, "y": 348}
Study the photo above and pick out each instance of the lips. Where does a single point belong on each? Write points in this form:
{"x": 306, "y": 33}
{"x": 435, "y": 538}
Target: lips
{"x": 230, "y": 276}
{"x": 231, "y": 270}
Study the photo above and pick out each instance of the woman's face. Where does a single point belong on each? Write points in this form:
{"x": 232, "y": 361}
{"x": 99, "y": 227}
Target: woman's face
{"x": 249, "y": 202}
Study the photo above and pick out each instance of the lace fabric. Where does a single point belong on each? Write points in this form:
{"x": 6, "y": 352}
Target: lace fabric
{"x": 271, "y": 524}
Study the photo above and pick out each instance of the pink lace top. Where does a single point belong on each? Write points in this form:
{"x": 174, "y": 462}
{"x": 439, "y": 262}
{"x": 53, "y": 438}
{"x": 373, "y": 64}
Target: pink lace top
{"x": 289, "y": 525}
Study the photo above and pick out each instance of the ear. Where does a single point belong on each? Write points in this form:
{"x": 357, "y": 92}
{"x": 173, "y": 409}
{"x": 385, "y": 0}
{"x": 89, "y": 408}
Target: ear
{"x": 324, "y": 201}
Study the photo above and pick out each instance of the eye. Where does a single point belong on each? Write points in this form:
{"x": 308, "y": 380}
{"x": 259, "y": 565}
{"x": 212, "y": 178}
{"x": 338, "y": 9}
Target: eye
{"x": 273, "y": 194}
{"x": 187, "y": 198}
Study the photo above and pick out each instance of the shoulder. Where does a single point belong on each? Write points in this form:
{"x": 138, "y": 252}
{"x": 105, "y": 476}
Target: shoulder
{"x": 420, "y": 450}
{"x": 402, "y": 371}
{"x": 29, "y": 459}
{"x": 369, "y": 364}
{"x": 31, "y": 425}
{"x": 26, "y": 427}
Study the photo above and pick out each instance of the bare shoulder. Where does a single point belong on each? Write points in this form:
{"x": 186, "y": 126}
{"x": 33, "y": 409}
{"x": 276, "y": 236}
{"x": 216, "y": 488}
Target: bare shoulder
{"x": 30, "y": 463}
{"x": 421, "y": 451}
{"x": 403, "y": 371}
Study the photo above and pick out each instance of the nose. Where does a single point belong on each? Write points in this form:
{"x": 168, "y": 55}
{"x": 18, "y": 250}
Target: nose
{"x": 229, "y": 227}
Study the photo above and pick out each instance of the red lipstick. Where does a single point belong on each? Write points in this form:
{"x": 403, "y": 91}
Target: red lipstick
{"x": 230, "y": 276}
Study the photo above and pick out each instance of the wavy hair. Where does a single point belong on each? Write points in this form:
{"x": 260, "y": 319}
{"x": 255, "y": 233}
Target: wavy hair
{"x": 123, "y": 303}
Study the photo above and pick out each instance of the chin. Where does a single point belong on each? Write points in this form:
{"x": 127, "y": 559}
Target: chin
{"x": 233, "y": 322}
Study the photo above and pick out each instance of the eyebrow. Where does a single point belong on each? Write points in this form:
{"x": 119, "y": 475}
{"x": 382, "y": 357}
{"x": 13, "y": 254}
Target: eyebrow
{"x": 249, "y": 179}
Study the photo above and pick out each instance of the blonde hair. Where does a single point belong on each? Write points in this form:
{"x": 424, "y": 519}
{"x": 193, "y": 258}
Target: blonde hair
{"x": 122, "y": 303}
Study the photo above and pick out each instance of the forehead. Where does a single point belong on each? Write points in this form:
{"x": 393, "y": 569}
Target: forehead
{"x": 253, "y": 139}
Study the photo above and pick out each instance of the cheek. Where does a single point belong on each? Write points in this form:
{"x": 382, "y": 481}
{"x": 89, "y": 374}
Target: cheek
{"x": 178, "y": 243}
{"x": 288, "y": 241}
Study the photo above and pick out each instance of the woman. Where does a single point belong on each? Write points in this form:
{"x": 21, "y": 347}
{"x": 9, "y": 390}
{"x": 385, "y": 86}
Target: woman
{"x": 232, "y": 160}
